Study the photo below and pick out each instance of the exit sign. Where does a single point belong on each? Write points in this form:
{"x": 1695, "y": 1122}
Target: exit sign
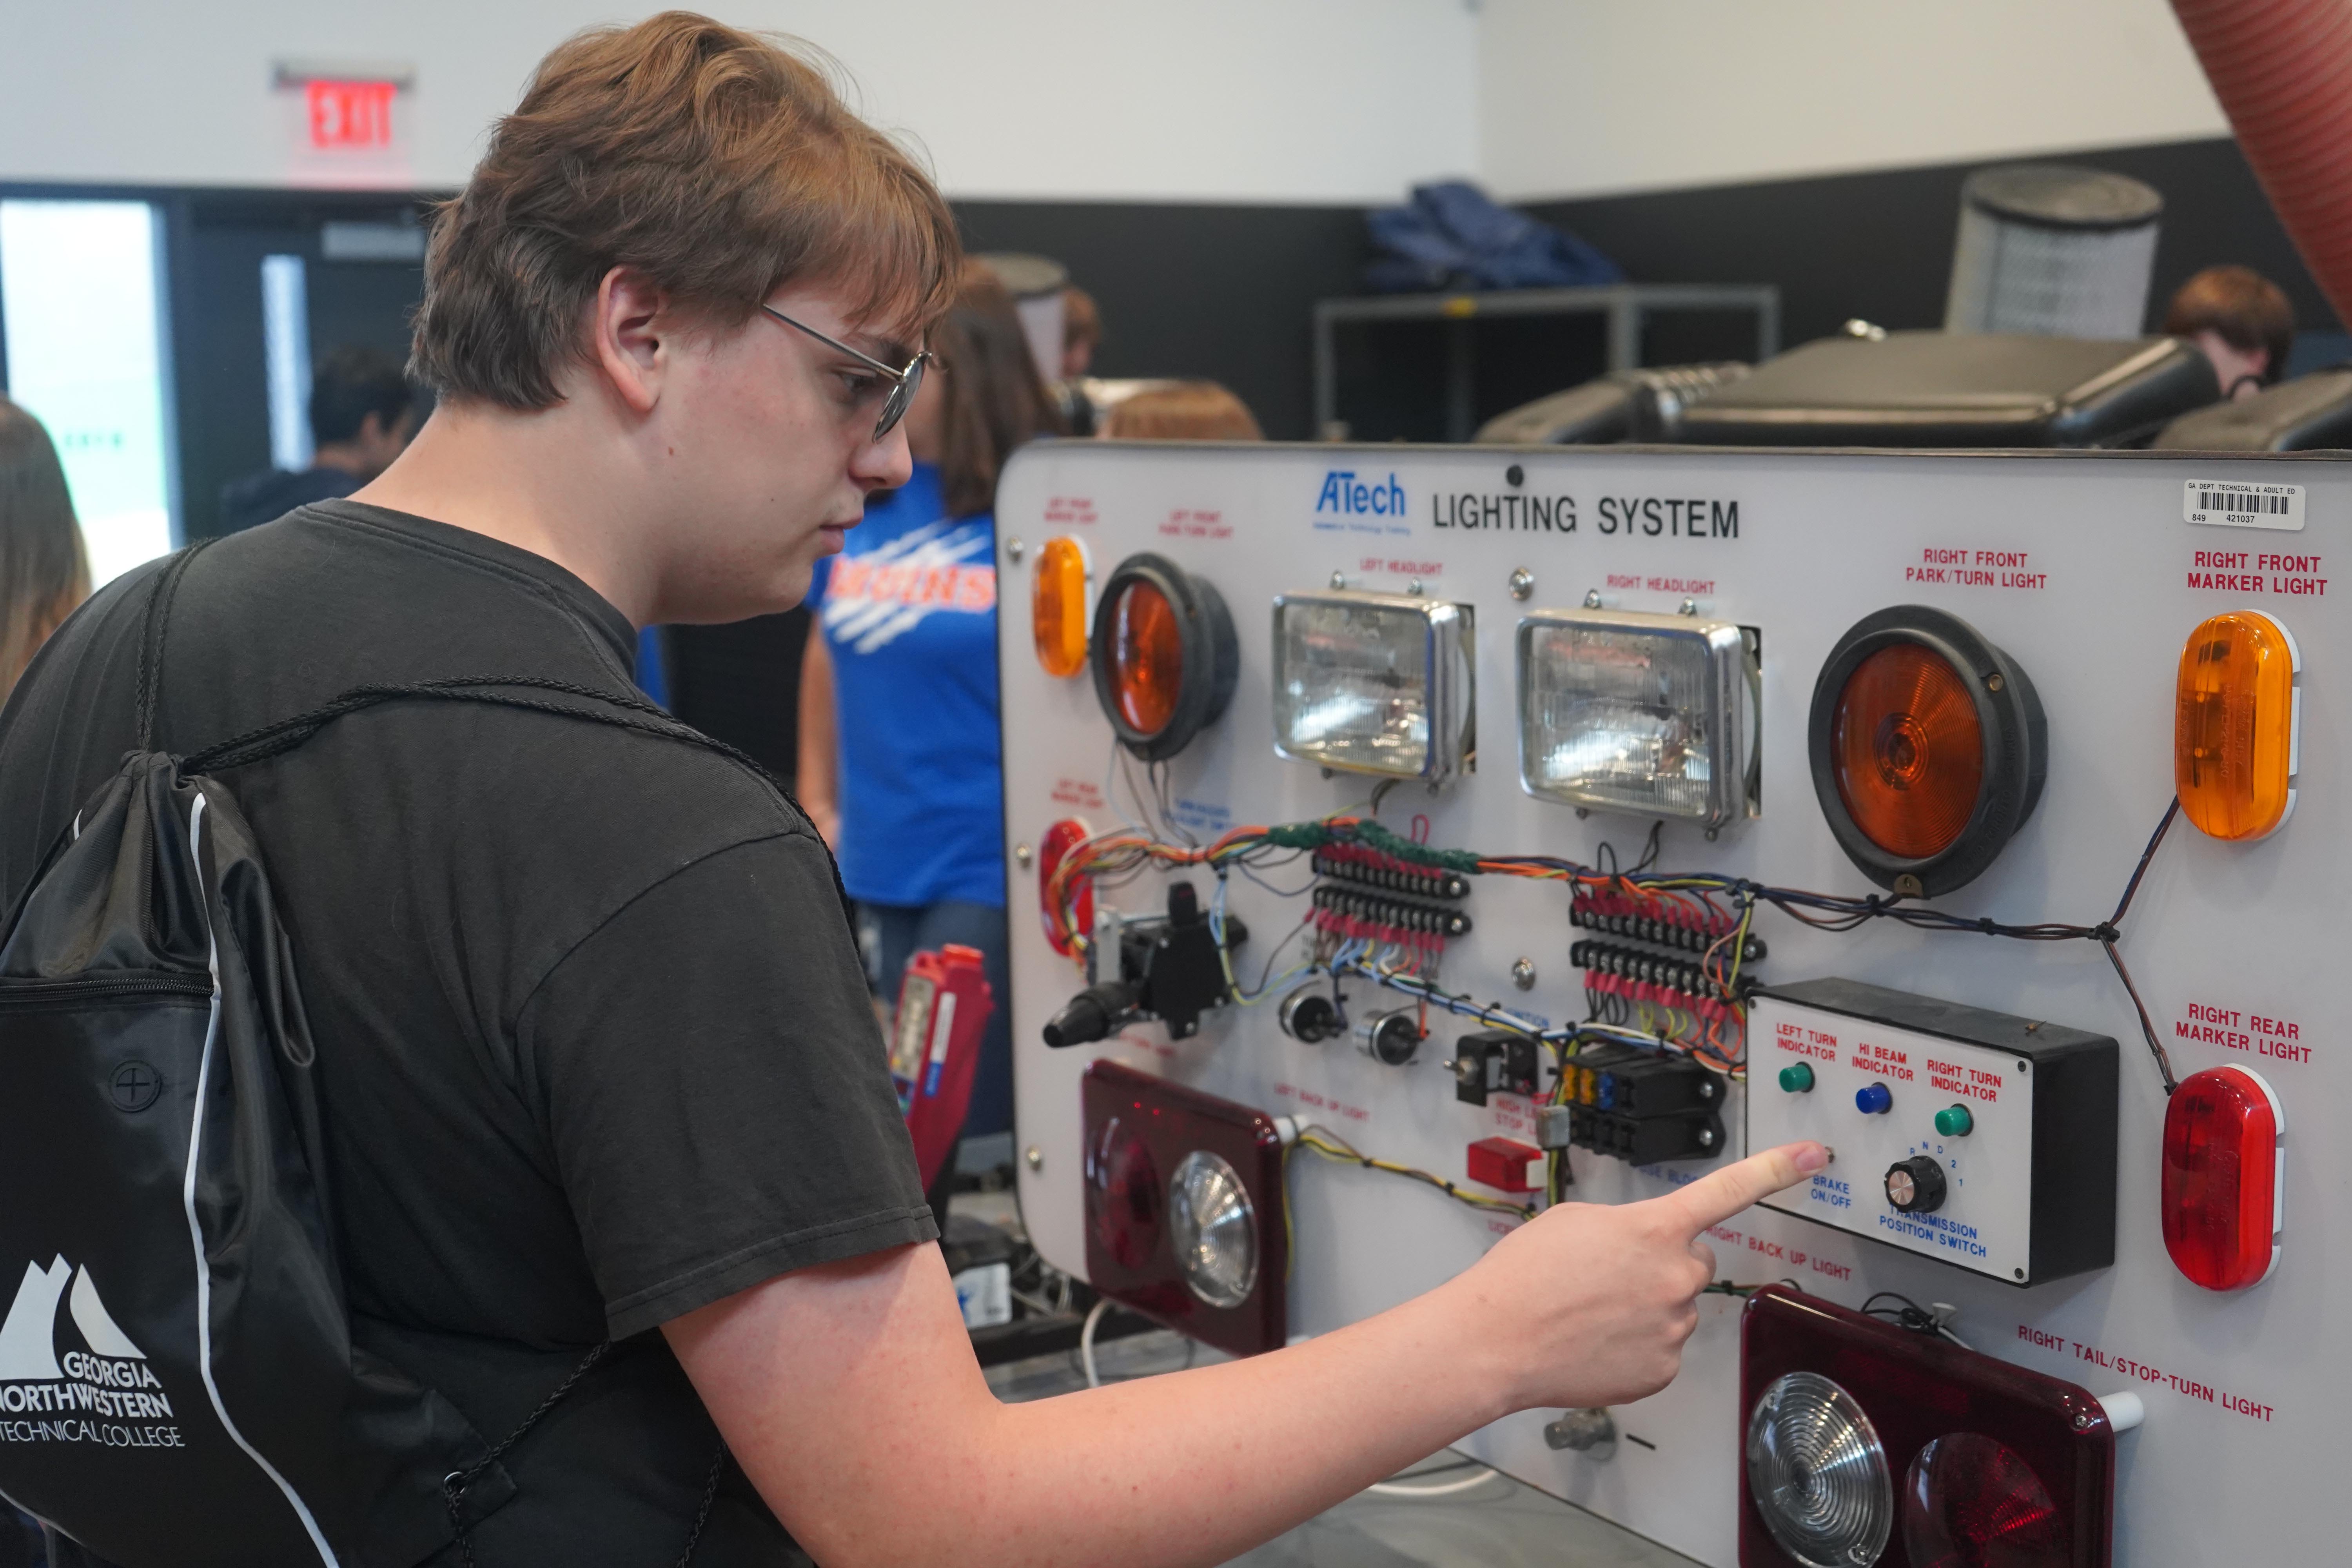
{"x": 349, "y": 115}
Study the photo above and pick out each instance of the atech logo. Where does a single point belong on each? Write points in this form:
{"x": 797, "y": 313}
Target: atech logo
{"x": 108, "y": 1375}
{"x": 1344, "y": 493}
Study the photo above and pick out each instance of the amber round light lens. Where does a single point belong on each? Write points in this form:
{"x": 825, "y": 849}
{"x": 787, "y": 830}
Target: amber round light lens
{"x": 1057, "y": 607}
{"x": 1147, "y": 658}
{"x": 1908, "y": 750}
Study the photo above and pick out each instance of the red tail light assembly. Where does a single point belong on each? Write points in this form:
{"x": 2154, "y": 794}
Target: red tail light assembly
{"x": 1184, "y": 1209}
{"x": 2224, "y": 1195}
{"x": 1929, "y": 749}
{"x": 1867, "y": 1443}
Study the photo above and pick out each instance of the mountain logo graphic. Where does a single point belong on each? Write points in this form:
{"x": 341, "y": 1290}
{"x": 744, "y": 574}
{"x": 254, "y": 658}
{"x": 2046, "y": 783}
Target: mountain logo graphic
{"x": 28, "y": 1339}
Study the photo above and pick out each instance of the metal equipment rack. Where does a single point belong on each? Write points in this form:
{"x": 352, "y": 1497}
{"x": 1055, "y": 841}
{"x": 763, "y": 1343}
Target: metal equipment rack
{"x": 1627, "y": 307}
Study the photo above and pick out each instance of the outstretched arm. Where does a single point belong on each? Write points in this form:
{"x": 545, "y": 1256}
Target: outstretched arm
{"x": 816, "y": 774}
{"x": 850, "y": 1395}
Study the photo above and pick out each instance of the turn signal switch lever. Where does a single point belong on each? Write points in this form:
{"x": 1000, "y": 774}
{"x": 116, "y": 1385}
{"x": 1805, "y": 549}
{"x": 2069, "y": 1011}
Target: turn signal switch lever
{"x": 1095, "y": 1014}
{"x": 1169, "y": 969}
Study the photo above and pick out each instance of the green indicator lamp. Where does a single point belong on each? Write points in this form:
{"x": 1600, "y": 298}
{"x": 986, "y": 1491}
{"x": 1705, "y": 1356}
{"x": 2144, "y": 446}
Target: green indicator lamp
{"x": 1954, "y": 1122}
{"x": 1798, "y": 1078}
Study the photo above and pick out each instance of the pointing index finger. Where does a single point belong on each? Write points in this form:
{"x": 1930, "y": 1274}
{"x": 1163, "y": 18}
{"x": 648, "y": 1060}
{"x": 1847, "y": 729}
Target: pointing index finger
{"x": 1719, "y": 1194}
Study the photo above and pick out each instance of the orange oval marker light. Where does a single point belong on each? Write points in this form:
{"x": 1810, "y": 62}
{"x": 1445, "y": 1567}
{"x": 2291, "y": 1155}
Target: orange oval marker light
{"x": 1057, "y": 606}
{"x": 2235, "y": 737}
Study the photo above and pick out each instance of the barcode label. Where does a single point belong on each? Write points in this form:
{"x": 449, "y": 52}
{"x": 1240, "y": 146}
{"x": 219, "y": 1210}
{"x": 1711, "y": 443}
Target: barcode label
{"x": 2222, "y": 503}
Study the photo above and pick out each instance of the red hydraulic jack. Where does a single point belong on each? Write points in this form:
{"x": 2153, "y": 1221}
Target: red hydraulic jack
{"x": 944, "y": 1003}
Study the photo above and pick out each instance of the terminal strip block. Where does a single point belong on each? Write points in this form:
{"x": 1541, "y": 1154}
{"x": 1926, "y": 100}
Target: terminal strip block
{"x": 1368, "y": 867}
{"x": 1635, "y": 1105}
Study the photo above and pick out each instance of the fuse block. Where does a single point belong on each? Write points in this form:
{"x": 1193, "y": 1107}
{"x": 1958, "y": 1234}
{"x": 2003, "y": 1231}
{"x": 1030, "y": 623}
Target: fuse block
{"x": 1637, "y": 1105}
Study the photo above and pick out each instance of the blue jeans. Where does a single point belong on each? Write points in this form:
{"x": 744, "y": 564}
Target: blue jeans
{"x": 889, "y": 934}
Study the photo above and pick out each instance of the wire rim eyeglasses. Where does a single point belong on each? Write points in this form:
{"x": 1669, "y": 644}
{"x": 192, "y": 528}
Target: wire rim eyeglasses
{"x": 904, "y": 383}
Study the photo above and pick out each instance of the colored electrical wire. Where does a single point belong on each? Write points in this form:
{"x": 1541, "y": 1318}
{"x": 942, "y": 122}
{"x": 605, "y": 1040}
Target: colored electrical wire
{"x": 1686, "y": 898}
{"x": 1329, "y": 1145}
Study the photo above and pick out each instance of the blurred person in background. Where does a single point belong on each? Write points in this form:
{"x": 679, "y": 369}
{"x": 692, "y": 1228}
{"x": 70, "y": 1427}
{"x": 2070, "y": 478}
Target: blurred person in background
{"x": 900, "y": 763}
{"x": 43, "y": 570}
{"x": 1081, "y": 333}
{"x": 362, "y": 413}
{"x": 2242, "y": 321}
{"x": 1181, "y": 411}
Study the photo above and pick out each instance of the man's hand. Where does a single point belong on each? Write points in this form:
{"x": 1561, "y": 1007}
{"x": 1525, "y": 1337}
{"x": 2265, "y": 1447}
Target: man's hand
{"x": 1591, "y": 1302}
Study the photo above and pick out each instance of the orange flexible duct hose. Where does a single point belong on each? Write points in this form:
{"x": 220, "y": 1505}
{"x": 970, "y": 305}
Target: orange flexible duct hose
{"x": 2282, "y": 70}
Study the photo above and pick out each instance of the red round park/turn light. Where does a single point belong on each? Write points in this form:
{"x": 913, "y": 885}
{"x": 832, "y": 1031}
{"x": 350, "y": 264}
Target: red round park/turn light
{"x": 2222, "y": 1197}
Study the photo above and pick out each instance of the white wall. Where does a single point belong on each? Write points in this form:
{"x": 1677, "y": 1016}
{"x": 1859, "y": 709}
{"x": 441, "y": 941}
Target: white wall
{"x": 1290, "y": 101}
{"x": 1585, "y": 97}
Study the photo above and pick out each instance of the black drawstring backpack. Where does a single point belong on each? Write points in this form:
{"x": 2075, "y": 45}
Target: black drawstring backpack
{"x": 178, "y": 1381}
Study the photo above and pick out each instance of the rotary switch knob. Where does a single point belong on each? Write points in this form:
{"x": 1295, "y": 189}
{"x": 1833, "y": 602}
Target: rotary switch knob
{"x": 1915, "y": 1185}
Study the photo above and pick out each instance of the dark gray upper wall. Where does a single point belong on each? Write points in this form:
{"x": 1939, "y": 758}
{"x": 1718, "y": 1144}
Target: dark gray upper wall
{"x": 1879, "y": 245}
{"x": 1224, "y": 292}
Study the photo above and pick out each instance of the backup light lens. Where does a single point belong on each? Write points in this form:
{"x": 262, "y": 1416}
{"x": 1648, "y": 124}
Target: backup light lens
{"x": 1163, "y": 655}
{"x": 1214, "y": 1228}
{"x": 1636, "y": 713}
{"x": 1929, "y": 749}
{"x": 1057, "y": 606}
{"x": 1374, "y": 683}
{"x": 1972, "y": 1502}
{"x": 2234, "y": 740}
{"x": 2219, "y": 1195}
{"x": 1817, "y": 1473}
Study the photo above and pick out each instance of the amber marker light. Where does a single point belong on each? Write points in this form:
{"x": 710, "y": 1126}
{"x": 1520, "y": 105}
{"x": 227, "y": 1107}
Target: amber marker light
{"x": 2236, "y": 742}
{"x": 1163, "y": 655}
{"x": 1057, "y": 606}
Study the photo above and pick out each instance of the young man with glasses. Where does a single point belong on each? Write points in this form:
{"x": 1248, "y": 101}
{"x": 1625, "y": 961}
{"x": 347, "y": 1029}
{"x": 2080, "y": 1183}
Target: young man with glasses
{"x": 594, "y": 1057}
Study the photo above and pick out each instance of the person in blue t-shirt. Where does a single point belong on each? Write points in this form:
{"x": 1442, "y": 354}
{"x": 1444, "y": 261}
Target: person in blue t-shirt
{"x": 899, "y": 765}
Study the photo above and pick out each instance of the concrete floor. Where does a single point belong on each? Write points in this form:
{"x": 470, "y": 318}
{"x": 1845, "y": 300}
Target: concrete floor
{"x": 1498, "y": 1523}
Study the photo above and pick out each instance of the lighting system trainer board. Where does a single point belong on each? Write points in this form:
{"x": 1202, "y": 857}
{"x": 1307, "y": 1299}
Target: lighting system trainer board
{"x": 1404, "y": 839}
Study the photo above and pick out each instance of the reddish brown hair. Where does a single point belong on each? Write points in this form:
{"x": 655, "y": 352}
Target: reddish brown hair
{"x": 1183, "y": 411}
{"x": 721, "y": 164}
{"x": 44, "y": 569}
{"x": 995, "y": 399}
{"x": 2244, "y": 309}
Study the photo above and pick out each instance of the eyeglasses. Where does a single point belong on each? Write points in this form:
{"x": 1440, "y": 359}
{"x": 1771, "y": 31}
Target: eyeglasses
{"x": 904, "y": 383}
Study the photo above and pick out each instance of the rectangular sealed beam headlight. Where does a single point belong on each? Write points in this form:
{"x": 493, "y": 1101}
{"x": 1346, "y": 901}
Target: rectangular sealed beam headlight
{"x": 1621, "y": 711}
{"x": 1374, "y": 683}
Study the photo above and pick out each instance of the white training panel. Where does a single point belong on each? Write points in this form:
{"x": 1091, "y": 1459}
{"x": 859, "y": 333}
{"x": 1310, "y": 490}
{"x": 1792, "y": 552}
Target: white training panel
{"x": 2086, "y": 569}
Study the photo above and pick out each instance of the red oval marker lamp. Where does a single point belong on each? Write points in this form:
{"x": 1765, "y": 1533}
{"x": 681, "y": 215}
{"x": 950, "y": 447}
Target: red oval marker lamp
{"x": 2223, "y": 1198}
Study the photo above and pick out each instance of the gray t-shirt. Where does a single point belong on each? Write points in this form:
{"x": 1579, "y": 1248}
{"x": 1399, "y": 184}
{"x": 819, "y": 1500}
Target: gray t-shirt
{"x": 593, "y": 1047}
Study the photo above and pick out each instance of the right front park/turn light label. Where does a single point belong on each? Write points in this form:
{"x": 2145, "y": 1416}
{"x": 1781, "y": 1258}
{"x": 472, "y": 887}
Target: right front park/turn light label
{"x": 1929, "y": 749}
{"x": 1977, "y": 1138}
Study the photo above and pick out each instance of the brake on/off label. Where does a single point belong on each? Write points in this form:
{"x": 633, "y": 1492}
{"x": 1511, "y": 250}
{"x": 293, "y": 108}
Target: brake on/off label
{"x": 2227, "y": 503}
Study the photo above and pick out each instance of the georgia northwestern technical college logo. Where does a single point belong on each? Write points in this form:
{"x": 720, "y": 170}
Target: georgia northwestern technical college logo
{"x": 86, "y": 1395}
